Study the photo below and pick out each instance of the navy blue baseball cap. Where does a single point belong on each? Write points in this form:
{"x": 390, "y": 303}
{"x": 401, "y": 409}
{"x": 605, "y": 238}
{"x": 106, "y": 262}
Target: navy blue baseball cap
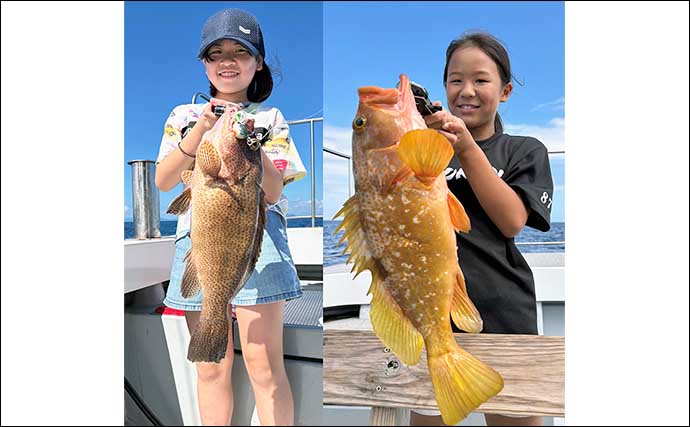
{"x": 233, "y": 24}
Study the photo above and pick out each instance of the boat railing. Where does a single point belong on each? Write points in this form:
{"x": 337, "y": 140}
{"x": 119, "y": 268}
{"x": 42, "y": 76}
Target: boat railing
{"x": 349, "y": 193}
{"x": 312, "y": 168}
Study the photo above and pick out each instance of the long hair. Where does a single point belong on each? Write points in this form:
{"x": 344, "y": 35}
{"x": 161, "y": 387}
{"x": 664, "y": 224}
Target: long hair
{"x": 493, "y": 49}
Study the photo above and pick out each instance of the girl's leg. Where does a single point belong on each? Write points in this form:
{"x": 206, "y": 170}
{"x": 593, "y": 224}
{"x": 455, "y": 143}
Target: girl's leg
{"x": 261, "y": 334}
{"x": 501, "y": 420}
{"x": 214, "y": 383}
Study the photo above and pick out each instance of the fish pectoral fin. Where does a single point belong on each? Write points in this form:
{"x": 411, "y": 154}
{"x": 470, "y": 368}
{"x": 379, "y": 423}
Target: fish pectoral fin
{"x": 458, "y": 216}
{"x": 405, "y": 172}
{"x": 426, "y": 152}
{"x": 391, "y": 325}
{"x": 461, "y": 383}
{"x": 463, "y": 312}
{"x": 208, "y": 159}
{"x": 187, "y": 176}
{"x": 181, "y": 203}
{"x": 190, "y": 279}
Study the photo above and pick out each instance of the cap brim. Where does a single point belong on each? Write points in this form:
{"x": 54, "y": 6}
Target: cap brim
{"x": 250, "y": 47}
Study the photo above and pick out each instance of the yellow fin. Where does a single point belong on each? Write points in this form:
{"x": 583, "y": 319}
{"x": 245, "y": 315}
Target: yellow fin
{"x": 463, "y": 312}
{"x": 387, "y": 319}
{"x": 426, "y": 152}
{"x": 461, "y": 383}
{"x": 392, "y": 326}
{"x": 356, "y": 244}
{"x": 458, "y": 216}
{"x": 208, "y": 159}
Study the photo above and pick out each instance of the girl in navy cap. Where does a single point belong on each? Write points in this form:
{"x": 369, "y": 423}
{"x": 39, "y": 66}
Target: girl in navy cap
{"x": 232, "y": 51}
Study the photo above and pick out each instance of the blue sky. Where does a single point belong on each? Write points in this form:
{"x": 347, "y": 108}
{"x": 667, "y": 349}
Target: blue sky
{"x": 372, "y": 43}
{"x": 162, "y": 71}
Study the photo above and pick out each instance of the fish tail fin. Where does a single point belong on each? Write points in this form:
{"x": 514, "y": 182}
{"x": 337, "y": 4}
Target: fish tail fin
{"x": 426, "y": 152}
{"x": 461, "y": 383}
{"x": 209, "y": 340}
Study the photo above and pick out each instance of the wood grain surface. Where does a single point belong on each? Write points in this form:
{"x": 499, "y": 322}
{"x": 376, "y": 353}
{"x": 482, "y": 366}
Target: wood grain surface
{"x": 358, "y": 370}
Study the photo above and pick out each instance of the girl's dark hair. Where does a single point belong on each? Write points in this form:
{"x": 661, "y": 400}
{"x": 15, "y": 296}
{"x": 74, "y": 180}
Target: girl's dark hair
{"x": 493, "y": 49}
{"x": 260, "y": 87}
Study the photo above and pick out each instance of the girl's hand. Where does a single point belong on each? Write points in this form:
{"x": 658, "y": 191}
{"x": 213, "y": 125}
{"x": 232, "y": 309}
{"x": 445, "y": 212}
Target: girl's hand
{"x": 208, "y": 117}
{"x": 452, "y": 127}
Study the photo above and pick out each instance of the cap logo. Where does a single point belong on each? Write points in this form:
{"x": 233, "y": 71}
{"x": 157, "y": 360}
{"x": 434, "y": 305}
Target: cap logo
{"x": 245, "y": 30}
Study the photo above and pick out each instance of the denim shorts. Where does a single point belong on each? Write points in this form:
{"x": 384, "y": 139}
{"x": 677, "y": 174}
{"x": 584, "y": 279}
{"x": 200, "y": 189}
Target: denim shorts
{"x": 274, "y": 277}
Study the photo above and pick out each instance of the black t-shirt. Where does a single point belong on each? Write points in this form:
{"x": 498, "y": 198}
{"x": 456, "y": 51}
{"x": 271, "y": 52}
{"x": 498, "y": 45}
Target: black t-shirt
{"x": 499, "y": 280}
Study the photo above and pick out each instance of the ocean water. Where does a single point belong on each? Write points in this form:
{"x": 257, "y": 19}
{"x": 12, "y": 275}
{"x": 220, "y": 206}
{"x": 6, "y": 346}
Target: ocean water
{"x": 331, "y": 249}
{"x": 168, "y": 227}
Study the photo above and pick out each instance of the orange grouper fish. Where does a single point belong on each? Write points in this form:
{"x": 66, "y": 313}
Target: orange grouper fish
{"x": 228, "y": 218}
{"x": 400, "y": 225}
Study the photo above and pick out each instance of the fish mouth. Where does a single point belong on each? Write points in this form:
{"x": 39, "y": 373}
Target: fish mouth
{"x": 386, "y": 98}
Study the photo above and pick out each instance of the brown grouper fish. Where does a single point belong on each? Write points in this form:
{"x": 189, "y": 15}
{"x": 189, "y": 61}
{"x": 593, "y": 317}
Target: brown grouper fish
{"x": 401, "y": 225}
{"x": 228, "y": 218}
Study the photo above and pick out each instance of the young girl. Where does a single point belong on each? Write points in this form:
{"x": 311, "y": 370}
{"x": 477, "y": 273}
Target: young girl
{"x": 232, "y": 51}
{"x": 504, "y": 183}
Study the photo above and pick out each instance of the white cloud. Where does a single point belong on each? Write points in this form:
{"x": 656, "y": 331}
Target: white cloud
{"x": 303, "y": 207}
{"x": 338, "y": 139}
{"x": 556, "y": 105}
{"x": 335, "y": 169}
{"x": 553, "y": 135}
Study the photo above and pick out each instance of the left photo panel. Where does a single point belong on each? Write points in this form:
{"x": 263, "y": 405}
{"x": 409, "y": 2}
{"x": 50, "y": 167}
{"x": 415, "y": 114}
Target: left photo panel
{"x": 223, "y": 216}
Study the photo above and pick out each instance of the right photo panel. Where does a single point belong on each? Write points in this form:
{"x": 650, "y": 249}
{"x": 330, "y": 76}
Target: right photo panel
{"x": 444, "y": 227}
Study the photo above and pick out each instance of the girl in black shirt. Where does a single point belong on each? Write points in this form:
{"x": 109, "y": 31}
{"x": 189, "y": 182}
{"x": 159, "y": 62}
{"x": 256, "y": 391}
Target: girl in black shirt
{"x": 504, "y": 183}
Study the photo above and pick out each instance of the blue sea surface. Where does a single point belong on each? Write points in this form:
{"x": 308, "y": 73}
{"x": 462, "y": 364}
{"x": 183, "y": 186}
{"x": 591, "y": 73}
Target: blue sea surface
{"x": 331, "y": 249}
{"x": 168, "y": 228}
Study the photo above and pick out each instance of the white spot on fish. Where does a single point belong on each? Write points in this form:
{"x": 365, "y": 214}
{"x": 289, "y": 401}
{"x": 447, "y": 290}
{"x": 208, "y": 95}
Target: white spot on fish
{"x": 416, "y": 220}
{"x": 423, "y": 258}
{"x": 404, "y": 199}
{"x": 407, "y": 293}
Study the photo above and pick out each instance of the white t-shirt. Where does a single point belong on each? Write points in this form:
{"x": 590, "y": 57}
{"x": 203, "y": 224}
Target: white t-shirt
{"x": 279, "y": 148}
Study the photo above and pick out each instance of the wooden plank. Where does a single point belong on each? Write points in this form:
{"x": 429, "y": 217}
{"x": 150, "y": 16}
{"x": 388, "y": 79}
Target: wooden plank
{"x": 359, "y": 371}
{"x": 382, "y": 416}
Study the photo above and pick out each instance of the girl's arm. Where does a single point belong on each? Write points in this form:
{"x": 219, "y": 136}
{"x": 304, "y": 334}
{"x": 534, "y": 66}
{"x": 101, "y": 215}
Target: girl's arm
{"x": 503, "y": 205}
{"x": 169, "y": 170}
{"x": 272, "y": 182}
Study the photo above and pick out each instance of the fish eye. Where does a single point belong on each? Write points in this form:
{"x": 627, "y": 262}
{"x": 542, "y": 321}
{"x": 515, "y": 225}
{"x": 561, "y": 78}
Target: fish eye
{"x": 359, "y": 122}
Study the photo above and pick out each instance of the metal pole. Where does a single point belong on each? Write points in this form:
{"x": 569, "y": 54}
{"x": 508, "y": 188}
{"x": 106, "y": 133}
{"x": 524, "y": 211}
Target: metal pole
{"x": 145, "y": 200}
{"x": 313, "y": 179}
